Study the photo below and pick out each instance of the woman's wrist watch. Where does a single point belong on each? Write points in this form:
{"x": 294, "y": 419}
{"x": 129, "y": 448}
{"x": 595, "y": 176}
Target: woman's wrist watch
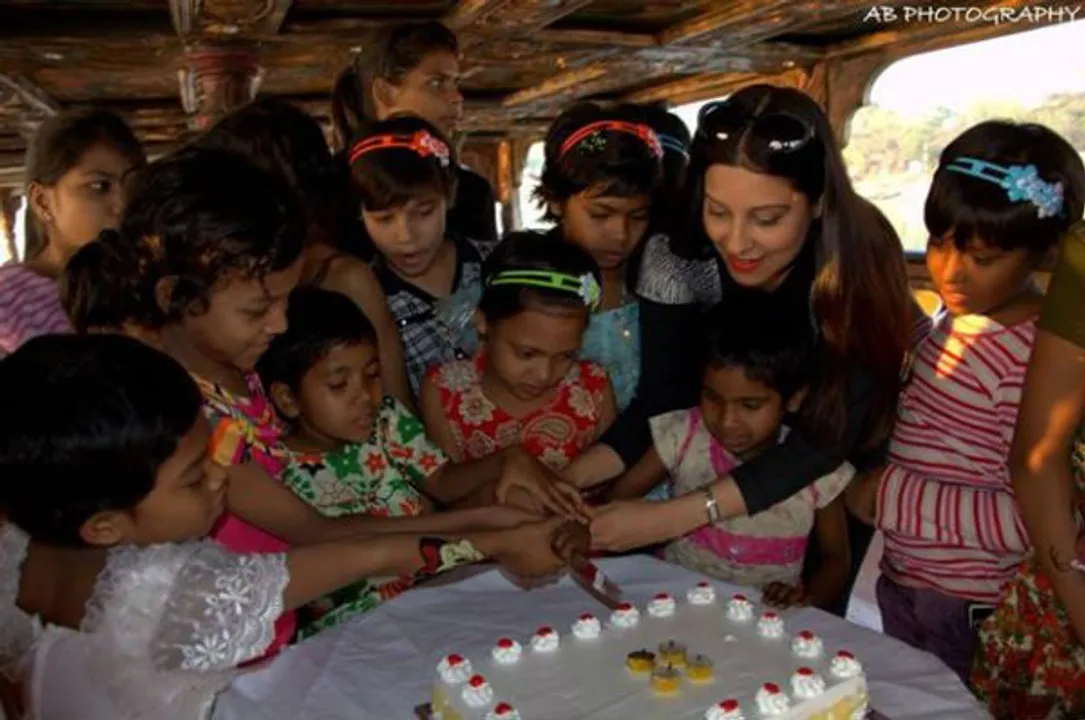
{"x": 710, "y": 505}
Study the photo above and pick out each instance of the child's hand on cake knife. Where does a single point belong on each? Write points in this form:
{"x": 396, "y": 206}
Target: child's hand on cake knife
{"x": 522, "y": 472}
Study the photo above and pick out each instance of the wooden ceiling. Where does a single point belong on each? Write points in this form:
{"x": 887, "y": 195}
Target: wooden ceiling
{"x": 523, "y": 60}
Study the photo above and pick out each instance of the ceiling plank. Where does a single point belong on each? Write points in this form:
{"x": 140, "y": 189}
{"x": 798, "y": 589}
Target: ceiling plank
{"x": 24, "y": 105}
{"x": 228, "y": 18}
{"x": 477, "y": 18}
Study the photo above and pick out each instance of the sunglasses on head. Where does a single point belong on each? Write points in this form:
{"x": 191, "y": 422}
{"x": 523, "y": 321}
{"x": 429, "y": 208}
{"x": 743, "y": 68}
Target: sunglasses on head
{"x": 777, "y": 133}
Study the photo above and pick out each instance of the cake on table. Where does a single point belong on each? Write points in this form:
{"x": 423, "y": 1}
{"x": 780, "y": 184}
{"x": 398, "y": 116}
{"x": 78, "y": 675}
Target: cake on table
{"x": 699, "y": 657}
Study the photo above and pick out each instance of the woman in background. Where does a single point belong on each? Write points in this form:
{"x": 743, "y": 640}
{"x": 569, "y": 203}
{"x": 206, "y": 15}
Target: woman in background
{"x": 75, "y": 168}
{"x": 414, "y": 69}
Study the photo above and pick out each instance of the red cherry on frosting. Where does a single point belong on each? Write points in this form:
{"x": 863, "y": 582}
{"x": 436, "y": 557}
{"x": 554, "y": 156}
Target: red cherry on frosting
{"x": 587, "y": 616}
{"x": 729, "y": 705}
{"x": 805, "y": 671}
{"x": 844, "y": 654}
{"x": 740, "y": 598}
{"x": 663, "y": 596}
{"x": 476, "y": 681}
{"x": 771, "y": 688}
{"x": 769, "y": 616}
{"x": 625, "y": 606}
{"x": 504, "y": 643}
{"x": 503, "y": 708}
{"x": 806, "y": 635}
{"x": 454, "y": 659}
{"x": 545, "y": 630}
{"x": 704, "y": 584}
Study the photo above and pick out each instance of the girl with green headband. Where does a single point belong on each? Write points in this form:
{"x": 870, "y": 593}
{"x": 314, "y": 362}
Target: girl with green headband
{"x": 527, "y": 384}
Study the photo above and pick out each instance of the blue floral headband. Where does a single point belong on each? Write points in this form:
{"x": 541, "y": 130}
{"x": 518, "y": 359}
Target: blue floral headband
{"x": 1021, "y": 183}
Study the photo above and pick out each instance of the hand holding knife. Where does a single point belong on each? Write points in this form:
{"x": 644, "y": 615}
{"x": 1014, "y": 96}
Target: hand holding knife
{"x": 572, "y": 543}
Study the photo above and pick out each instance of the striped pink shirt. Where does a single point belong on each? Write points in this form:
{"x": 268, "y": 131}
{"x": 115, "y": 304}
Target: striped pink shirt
{"x": 29, "y": 306}
{"x": 945, "y": 503}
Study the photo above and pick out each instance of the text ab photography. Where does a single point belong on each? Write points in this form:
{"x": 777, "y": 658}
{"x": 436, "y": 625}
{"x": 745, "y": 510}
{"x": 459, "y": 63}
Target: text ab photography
{"x": 1034, "y": 14}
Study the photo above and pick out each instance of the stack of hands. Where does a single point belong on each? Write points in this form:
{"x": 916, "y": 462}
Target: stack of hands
{"x": 552, "y": 529}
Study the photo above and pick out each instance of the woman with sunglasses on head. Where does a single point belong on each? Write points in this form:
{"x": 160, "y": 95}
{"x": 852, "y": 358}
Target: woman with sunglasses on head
{"x": 779, "y": 222}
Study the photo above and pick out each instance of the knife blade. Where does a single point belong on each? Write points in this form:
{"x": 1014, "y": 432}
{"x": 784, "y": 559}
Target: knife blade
{"x": 596, "y": 583}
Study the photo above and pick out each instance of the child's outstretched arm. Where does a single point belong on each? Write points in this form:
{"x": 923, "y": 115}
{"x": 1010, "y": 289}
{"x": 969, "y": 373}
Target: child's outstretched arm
{"x": 645, "y": 475}
{"x": 315, "y": 570}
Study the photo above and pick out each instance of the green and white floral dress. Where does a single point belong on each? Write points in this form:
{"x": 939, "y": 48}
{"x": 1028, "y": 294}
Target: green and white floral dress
{"x": 379, "y": 477}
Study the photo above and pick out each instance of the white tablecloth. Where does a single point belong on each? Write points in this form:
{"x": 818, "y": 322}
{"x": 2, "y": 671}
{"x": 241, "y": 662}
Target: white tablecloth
{"x": 382, "y": 664}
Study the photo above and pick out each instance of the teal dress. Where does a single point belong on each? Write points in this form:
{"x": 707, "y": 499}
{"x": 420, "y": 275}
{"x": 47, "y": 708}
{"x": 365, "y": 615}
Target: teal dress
{"x": 613, "y": 340}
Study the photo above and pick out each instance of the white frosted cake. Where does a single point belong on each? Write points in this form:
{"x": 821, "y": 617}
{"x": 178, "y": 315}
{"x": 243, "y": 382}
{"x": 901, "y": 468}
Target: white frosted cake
{"x": 698, "y": 657}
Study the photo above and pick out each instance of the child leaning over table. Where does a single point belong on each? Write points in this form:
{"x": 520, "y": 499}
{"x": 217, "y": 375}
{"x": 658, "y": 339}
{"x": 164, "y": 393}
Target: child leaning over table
{"x": 351, "y": 448}
{"x": 760, "y": 359}
{"x": 114, "y": 603}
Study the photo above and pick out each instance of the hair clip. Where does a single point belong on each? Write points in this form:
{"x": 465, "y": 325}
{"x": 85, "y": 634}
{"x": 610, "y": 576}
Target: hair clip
{"x": 645, "y": 133}
{"x": 1021, "y": 183}
{"x": 585, "y": 286}
{"x": 422, "y": 143}
{"x": 669, "y": 142}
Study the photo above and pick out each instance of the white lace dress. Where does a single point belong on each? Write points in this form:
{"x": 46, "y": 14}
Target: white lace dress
{"x": 163, "y": 633}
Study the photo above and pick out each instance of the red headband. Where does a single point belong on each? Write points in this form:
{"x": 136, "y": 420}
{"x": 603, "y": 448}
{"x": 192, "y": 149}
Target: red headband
{"x": 421, "y": 142}
{"x": 645, "y": 133}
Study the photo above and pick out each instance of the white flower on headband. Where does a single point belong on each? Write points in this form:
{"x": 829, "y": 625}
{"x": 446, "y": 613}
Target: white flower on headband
{"x": 589, "y": 290}
{"x": 435, "y": 147}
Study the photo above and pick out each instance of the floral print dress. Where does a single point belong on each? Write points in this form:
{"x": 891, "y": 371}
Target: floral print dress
{"x": 379, "y": 477}
{"x": 555, "y": 433}
{"x": 1029, "y": 660}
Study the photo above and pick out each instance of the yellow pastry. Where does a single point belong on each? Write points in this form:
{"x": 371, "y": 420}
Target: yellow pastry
{"x": 672, "y": 653}
{"x": 665, "y": 680}
{"x": 700, "y": 668}
{"x": 640, "y": 661}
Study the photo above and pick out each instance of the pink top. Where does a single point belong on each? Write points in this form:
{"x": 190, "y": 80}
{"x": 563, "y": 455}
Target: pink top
{"x": 766, "y": 547}
{"x": 29, "y": 306}
{"x": 946, "y": 503}
{"x": 243, "y": 430}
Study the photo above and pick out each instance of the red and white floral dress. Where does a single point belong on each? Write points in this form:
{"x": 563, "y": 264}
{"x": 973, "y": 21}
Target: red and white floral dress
{"x": 555, "y": 433}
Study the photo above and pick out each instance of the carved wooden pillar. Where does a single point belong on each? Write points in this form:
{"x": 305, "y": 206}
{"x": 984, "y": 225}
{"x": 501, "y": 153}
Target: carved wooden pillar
{"x": 9, "y": 205}
{"x": 217, "y": 78}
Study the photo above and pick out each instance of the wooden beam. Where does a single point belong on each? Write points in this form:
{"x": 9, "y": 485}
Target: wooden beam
{"x": 508, "y": 18}
{"x": 707, "y": 87}
{"x": 228, "y": 18}
{"x": 597, "y": 38}
{"x": 23, "y": 105}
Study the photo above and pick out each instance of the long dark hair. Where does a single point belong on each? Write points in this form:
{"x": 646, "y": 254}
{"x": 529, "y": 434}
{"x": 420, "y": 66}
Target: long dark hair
{"x": 392, "y": 54}
{"x": 284, "y": 139}
{"x": 860, "y": 296}
{"x": 198, "y": 216}
{"x": 59, "y": 145}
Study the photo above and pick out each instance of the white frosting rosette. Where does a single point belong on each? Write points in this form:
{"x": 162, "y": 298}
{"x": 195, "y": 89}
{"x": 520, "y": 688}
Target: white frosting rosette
{"x": 454, "y": 669}
{"x": 806, "y": 684}
{"x": 503, "y": 711}
{"x": 506, "y": 651}
{"x": 701, "y": 594}
{"x": 587, "y": 627}
{"x": 844, "y": 665}
{"x": 725, "y": 710}
{"x": 806, "y": 644}
{"x": 739, "y": 609}
{"x": 662, "y": 606}
{"x": 477, "y": 692}
{"x": 625, "y": 616}
{"x": 770, "y": 625}
{"x": 771, "y": 700}
{"x": 546, "y": 639}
